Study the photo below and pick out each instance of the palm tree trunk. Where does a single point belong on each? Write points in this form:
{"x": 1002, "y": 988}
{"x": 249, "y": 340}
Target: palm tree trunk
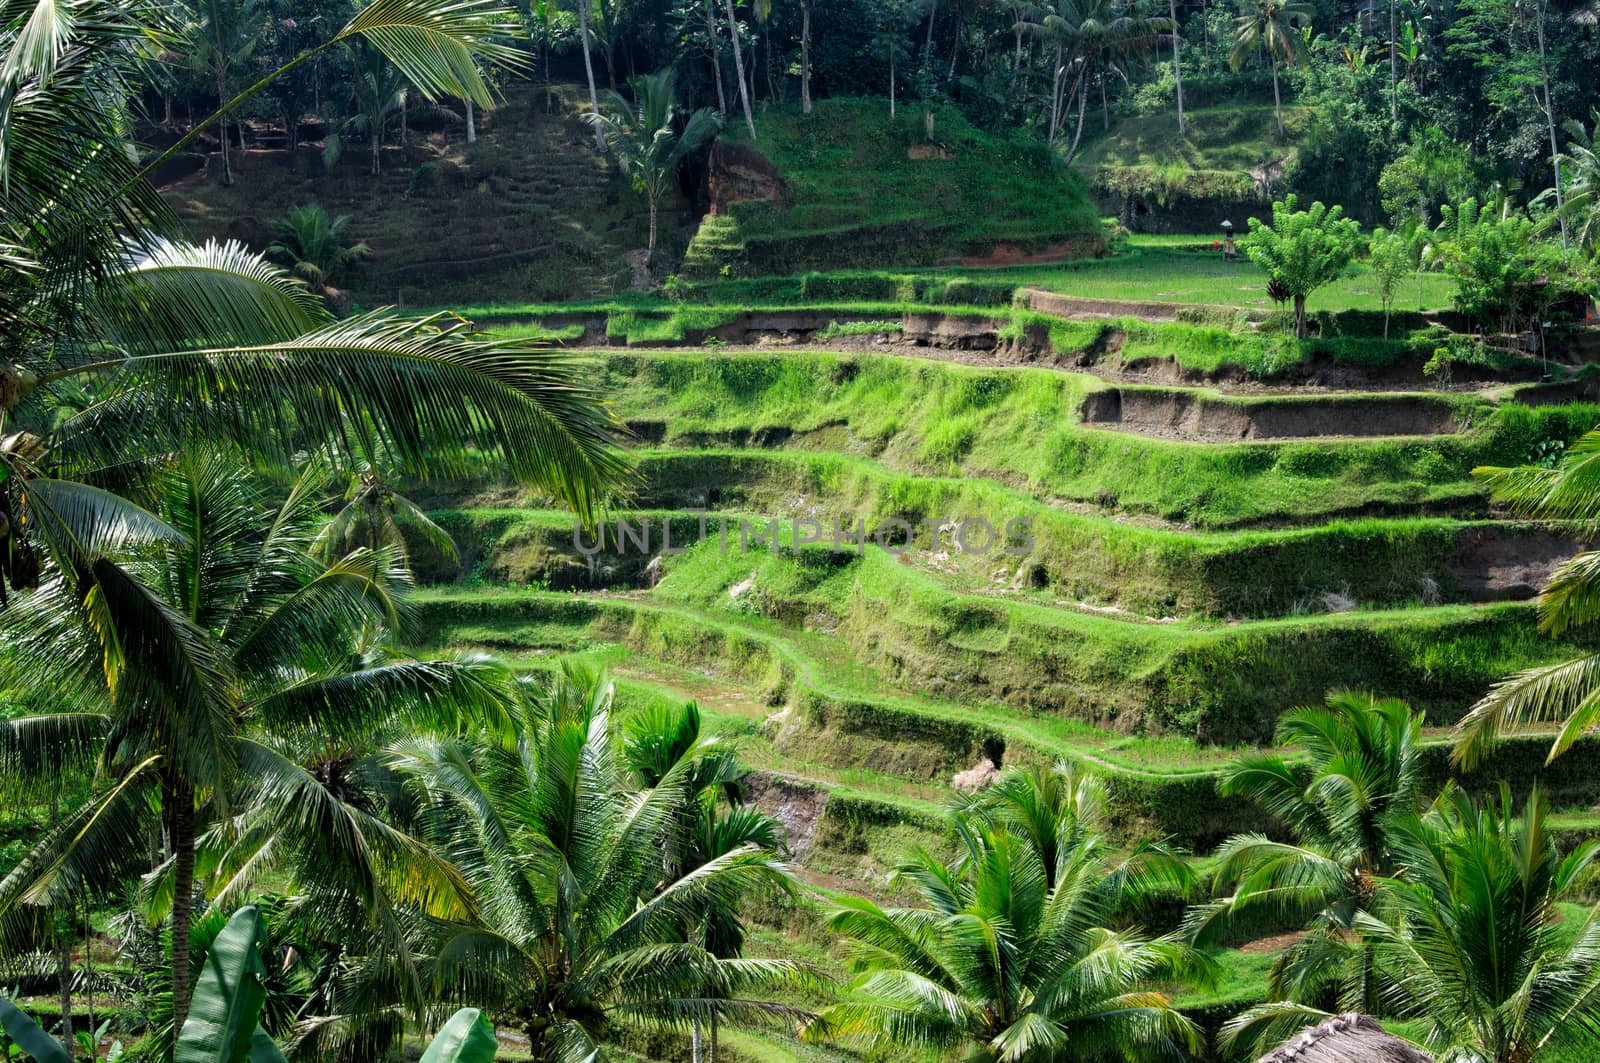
{"x": 1550, "y": 117}
{"x": 696, "y": 1055}
{"x": 472, "y": 126}
{"x": 1083, "y": 105}
{"x": 377, "y": 151}
{"x": 1105, "y": 109}
{"x": 891, "y": 84}
{"x": 1277, "y": 100}
{"x": 222, "y": 138}
{"x": 805, "y": 56}
{"x": 588, "y": 70}
{"x": 716, "y": 59}
{"x": 1055, "y": 98}
{"x": 738, "y": 68}
{"x": 711, "y": 1047}
{"x": 178, "y": 800}
{"x": 64, "y": 982}
{"x": 1177, "y": 64}
{"x": 1394, "y": 69}
{"x": 654, "y": 209}
{"x": 63, "y": 952}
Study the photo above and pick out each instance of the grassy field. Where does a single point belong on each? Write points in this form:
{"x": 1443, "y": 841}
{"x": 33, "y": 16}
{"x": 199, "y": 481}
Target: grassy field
{"x": 1154, "y": 270}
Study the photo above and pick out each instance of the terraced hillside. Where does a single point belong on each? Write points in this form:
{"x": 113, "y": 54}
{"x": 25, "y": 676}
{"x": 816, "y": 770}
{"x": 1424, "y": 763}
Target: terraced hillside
{"x": 1162, "y": 569}
{"x": 528, "y": 211}
{"x": 895, "y": 544}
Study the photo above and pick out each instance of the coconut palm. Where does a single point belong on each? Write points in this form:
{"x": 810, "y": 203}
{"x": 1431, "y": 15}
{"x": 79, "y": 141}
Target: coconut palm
{"x": 1567, "y": 692}
{"x": 646, "y": 140}
{"x": 252, "y": 683}
{"x": 1275, "y": 26}
{"x": 311, "y": 242}
{"x": 585, "y": 893}
{"x": 377, "y": 91}
{"x": 1011, "y": 955}
{"x": 1090, "y": 37}
{"x": 711, "y": 822}
{"x": 1472, "y": 938}
{"x": 1580, "y": 207}
{"x": 1365, "y": 769}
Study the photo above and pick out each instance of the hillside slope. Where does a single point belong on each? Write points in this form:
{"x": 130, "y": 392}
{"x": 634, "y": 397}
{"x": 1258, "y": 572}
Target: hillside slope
{"x": 854, "y": 188}
{"x": 528, "y": 212}
{"x": 1227, "y": 163}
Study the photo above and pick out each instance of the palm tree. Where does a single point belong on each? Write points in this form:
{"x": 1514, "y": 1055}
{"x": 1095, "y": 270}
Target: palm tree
{"x": 312, "y": 244}
{"x": 646, "y": 140}
{"x": 1365, "y": 768}
{"x": 378, "y": 91}
{"x": 1471, "y": 937}
{"x": 1569, "y": 691}
{"x": 711, "y": 822}
{"x": 585, "y": 892}
{"x": 1090, "y": 36}
{"x": 252, "y": 681}
{"x": 1273, "y": 25}
{"x": 1010, "y": 956}
{"x": 1581, "y": 206}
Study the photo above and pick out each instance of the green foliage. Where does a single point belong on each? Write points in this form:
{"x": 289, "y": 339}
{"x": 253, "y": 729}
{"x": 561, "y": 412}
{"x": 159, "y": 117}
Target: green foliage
{"x": 1034, "y": 875}
{"x": 1302, "y": 250}
{"x": 645, "y": 137}
{"x": 1506, "y": 277}
{"x": 1392, "y": 261}
{"x": 312, "y": 244}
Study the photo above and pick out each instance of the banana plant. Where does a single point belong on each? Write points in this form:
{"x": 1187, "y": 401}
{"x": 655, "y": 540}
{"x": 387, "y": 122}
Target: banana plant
{"x": 224, "y": 1017}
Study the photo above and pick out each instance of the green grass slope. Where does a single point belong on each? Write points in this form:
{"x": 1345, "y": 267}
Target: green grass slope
{"x": 862, "y": 190}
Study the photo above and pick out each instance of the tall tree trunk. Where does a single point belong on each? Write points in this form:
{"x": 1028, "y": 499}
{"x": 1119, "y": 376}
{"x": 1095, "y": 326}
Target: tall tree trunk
{"x": 1550, "y": 118}
{"x": 716, "y": 55}
{"x": 549, "y": 103}
{"x": 405, "y": 128}
{"x": 222, "y": 132}
{"x": 1105, "y": 108}
{"x": 891, "y": 83}
{"x": 805, "y": 56}
{"x": 88, "y": 969}
{"x": 588, "y": 70}
{"x": 654, "y": 210}
{"x": 377, "y": 150}
{"x": 1177, "y": 64}
{"x": 1300, "y": 317}
{"x": 64, "y": 982}
{"x": 711, "y": 1047}
{"x": 955, "y": 49}
{"x": 178, "y": 800}
{"x": 1277, "y": 100}
{"x": 738, "y": 68}
{"x": 696, "y": 1054}
{"x": 63, "y": 948}
{"x": 1055, "y": 97}
{"x": 1394, "y": 68}
{"x": 1083, "y": 105}
{"x": 472, "y": 125}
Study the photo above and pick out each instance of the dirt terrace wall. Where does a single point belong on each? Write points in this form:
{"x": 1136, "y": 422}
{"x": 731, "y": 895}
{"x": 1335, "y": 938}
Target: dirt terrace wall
{"x": 1199, "y": 417}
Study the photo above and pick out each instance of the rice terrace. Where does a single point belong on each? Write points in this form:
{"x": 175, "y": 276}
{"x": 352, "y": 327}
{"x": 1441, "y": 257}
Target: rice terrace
{"x": 900, "y": 531}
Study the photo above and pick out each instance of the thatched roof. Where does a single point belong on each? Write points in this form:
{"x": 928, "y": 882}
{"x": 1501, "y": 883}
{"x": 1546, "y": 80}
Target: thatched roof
{"x": 1348, "y": 1038}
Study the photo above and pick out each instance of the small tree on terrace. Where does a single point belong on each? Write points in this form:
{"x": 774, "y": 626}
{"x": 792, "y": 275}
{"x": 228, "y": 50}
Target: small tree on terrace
{"x": 644, "y": 137}
{"x": 1302, "y": 250}
{"x": 1392, "y": 262}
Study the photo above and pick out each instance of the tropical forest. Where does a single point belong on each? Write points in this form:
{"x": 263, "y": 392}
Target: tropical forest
{"x": 800, "y": 531}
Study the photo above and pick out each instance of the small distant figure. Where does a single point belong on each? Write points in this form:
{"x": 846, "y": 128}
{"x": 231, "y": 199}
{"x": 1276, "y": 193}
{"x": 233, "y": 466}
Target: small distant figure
{"x": 1230, "y": 253}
